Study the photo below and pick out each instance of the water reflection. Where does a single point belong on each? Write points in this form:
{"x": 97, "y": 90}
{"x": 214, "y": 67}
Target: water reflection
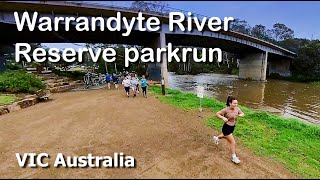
{"x": 290, "y": 99}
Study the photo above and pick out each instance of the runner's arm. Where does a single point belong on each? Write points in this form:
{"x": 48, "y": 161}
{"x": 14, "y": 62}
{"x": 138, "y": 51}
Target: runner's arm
{"x": 221, "y": 114}
{"x": 240, "y": 114}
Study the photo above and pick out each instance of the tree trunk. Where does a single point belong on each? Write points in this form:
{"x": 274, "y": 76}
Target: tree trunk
{"x": 115, "y": 67}
{"x": 106, "y": 65}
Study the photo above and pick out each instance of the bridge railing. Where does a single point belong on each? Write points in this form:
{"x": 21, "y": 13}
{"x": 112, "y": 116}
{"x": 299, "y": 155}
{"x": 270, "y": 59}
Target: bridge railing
{"x": 165, "y": 12}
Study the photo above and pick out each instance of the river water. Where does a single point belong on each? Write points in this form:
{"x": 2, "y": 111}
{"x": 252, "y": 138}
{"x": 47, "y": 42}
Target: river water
{"x": 289, "y": 99}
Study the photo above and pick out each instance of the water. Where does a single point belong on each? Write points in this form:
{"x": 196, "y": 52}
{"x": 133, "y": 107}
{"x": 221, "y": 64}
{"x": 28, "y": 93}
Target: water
{"x": 289, "y": 99}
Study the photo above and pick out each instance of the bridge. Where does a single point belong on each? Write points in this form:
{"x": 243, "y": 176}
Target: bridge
{"x": 256, "y": 56}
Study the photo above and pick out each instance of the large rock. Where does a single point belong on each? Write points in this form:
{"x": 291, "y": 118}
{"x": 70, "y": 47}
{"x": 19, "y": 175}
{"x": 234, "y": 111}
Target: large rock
{"x": 30, "y": 96}
{"x": 41, "y": 92}
{"x": 27, "y": 102}
{"x": 4, "y": 110}
{"x": 14, "y": 107}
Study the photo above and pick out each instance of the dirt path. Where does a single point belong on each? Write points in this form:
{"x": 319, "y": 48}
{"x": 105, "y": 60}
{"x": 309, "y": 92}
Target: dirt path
{"x": 166, "y": 142}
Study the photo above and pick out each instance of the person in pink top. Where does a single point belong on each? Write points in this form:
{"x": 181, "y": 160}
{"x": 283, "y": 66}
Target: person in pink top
{"x": 229, "y": 115}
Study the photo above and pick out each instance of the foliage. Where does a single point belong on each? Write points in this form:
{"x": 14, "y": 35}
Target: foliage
{"x": 12, "y": 66}
{"x": 75, "y": 75}
{"x": 153, "y": 6}
{"x": 19, "y": 81}
{"x": 308, "y": 59}
{"x": 308, "y": 55}
{"x": 282, "y": 32}
{"x": 241, "y": 26}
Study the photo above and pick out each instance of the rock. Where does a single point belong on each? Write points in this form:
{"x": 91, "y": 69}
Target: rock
{"x": 13, "y": 107}
{"x": 27, "y": 102}
{"x": 30, "y": 96}
{"x": 50, "y": 85}
{"x": 60, "y": 81}
{"x": 40, "y": 93}
{"x": 54, "y": 90}
{"x": 4, "y": 110}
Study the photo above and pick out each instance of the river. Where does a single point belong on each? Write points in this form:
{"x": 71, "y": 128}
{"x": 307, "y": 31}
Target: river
{"x": 289, "y": 99}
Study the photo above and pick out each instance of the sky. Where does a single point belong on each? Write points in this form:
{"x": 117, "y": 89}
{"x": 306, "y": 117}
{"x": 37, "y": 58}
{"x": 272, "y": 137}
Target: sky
{"x": 302, "y": 17}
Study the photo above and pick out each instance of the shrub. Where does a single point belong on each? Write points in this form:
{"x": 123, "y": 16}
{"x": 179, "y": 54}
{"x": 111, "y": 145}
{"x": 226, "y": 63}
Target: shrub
{"x": 76, "y": 75}
{"x": 13, "y": 67}
{"x": 19, "y": 81}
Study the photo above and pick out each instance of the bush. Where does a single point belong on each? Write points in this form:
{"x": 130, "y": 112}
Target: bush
{"x": 13, "y": 67}
{"x": 19, "y": 81}
{"x": 75, "y": 75}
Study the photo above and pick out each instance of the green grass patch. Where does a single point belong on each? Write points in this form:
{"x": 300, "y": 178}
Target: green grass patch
{"x": 293, "y": 143}
{"x": 7, "y": 99}
{"x": 316, "y": 83}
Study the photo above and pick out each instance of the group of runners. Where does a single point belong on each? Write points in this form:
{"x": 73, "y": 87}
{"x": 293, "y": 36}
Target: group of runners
{"x": 130, "y": 82}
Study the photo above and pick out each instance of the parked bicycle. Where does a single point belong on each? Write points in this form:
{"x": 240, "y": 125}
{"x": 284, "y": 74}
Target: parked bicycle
{"x": 93, "y": 79}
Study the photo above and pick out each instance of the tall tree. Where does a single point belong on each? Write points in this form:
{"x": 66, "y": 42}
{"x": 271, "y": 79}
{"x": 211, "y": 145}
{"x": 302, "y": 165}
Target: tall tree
{"x": 260, "y": 31}
{"x": 241, "y": 26}
{"x": 281, "y": 32}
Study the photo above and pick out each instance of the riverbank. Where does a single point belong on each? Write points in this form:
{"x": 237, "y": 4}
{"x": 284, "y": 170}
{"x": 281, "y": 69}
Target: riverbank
{"x": 289, "y": 141}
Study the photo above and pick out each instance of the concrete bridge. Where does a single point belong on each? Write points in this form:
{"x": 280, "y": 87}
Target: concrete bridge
{"x": 255, "y": 55}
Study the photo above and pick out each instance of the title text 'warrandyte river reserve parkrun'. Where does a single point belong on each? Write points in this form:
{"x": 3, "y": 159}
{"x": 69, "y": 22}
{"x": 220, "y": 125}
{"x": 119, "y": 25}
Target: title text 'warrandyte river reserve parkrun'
{"x": 119, "y": 23}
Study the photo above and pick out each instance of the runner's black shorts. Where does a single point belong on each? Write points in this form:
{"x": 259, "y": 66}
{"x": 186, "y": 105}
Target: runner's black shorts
{"x": 127, "y": 89}
{"x": 227, "y": 129}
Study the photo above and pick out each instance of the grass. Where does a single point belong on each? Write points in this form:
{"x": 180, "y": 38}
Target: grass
{"x": 293, "y": 143}
{"x": 316, "y": 83}
{"x": 7, "y": 99}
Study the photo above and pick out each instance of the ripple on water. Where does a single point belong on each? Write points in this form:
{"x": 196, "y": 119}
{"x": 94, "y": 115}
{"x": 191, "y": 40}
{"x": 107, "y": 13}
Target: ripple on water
{"x": 291, "y": 99}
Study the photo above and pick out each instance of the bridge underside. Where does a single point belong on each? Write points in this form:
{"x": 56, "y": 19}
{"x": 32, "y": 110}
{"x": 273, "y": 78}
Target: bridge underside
{"x": 254, "y": 62}
{"x": 72, "y": 36}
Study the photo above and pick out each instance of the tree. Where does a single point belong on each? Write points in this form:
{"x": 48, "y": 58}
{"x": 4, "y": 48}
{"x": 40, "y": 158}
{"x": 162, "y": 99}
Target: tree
{"x": 281, "y": 32}
{"x": 241, "y": 26}
{"x": 154, "y": 6}
{"x": 294, "y": 44}
{"x": 306, "y": 67}
{"x": 260, "y": 31}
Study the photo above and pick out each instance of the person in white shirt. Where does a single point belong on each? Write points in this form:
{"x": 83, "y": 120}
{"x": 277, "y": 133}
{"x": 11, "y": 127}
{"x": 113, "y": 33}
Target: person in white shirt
{"x": 126, "y": 83}
{"x": 134, "y": 83}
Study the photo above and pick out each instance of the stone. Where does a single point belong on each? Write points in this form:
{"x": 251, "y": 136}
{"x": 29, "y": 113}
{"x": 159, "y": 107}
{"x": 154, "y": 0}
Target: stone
{"x": 30, "y": 96}
{"x": 40, "y": 93}
{"x": 27, "y": 102}
{"x": 14, "y": 107}
{"x": 4, "y": 110}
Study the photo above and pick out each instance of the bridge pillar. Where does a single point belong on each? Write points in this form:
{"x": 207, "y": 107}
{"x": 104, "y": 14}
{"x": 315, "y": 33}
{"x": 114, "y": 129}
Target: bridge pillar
{"x": 158, "y": 70}
{"x": 254, "y": 66}
{"x": 279, "y": 66}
